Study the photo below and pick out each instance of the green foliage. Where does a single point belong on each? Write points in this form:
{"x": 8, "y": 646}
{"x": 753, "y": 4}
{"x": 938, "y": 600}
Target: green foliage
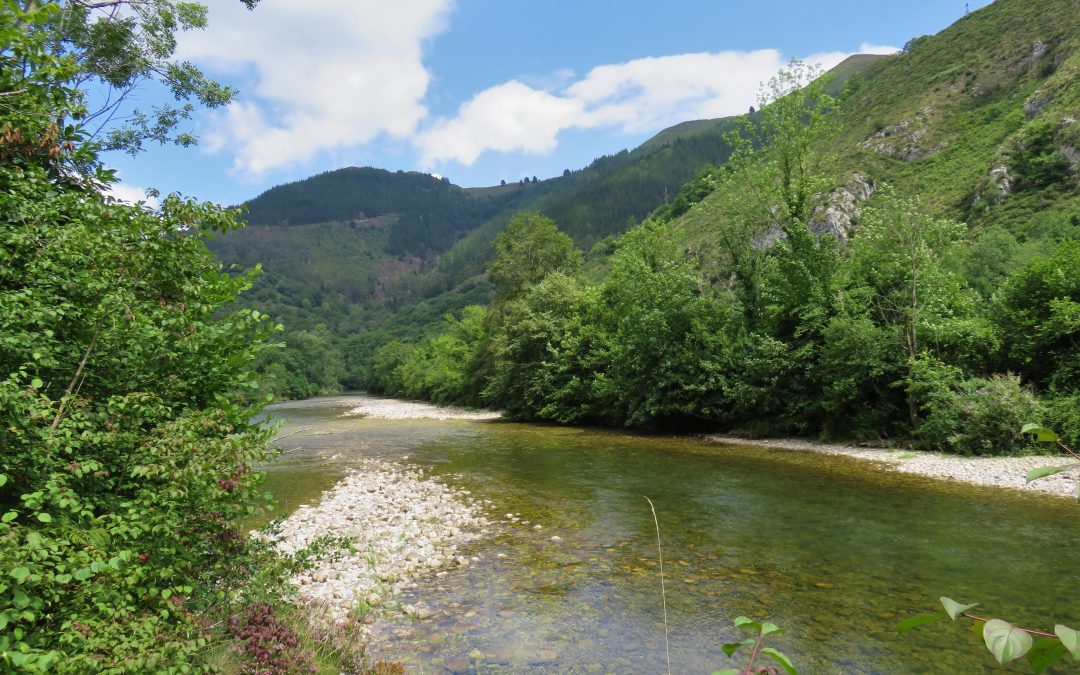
{"x": 787, "y": 331}
{"x": 306, "y": 364}
{"x": 981, "y": 416}
{"x": 1038, "y": 311}
{"x": 117, "y": 51}
{"x": 126, "y": 389}
{"x": 439, "y": 369}
{"x": 429, "y": 214}
{"x": 1005, "y": 641}
{"x": 754, "y": 644}
{"x": 530, "y": 248}
{"x": 546, "y": 353}
{"x": 125, "y": 407}
{"x": 661, "y": 332}
{"x": 1036, "y": 161}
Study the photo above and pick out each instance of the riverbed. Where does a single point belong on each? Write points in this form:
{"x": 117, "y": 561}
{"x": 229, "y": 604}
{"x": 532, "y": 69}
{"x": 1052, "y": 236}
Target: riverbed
{"x": 831, "y": 548}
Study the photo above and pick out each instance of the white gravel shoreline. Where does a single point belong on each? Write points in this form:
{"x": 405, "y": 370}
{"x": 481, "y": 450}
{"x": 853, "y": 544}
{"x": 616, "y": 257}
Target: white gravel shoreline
{"x": 1005, "y": 472}
{"x": 403, "y": 526}
{"x": 398, "y": 409}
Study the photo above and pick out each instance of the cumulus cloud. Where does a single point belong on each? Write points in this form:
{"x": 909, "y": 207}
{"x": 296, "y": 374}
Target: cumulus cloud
{"x": 316, "y": 74}
{"x": 637, "y": 96}
{"x": 511, "y": 116}
{"x": 132, "y": 194}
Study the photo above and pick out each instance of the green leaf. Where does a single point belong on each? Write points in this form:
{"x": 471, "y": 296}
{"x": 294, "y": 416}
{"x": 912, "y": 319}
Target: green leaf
{"x": 3, "y": 479}
{"x": 769, "y": 628}
{"x": 1044, "y": 471}
{"x": 9, "y": 516}
{"x": 731, "y": 647}
{"x": 781, "y": 659}
{"x": 954, "y": 608}
{"x": 920, "y": 620}
{"x": 744, "y": 622}
{"x": 1070, "y": 638}
{"x": 1042, "y": 434}
{"x": 1045, "y": 653}
{"x": 62, "y": 578}
{"x": 44, "y": 517}
{"x": 36, "y": 383}
{"x": 83, "y": 574}
{"x": 20, "y": 600}
{"x": 1005, "y": 641}
{"x": 20, "y": 574}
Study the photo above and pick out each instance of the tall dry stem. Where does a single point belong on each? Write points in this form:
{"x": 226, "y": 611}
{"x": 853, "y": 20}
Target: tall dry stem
{"x": 663, "y": 591}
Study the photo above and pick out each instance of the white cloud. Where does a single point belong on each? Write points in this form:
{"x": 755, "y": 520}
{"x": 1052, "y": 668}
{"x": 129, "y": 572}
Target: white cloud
{"x": 319, "y": 74}
{"x": 511, "y": 116}
{"x": 131, "y": 194}
{"x": 642, "y": 95}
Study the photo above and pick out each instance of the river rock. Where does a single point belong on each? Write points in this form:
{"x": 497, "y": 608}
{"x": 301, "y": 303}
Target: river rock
{"x": 402, "y": 524}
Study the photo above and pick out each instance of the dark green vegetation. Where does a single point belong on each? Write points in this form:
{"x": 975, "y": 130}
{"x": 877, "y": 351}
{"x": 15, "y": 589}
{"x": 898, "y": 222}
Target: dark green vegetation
{"x": 832, "y": 549}
{"x": 359, "y": 257}
{"x": 126, "y": 447}
{"x": 963, "y": 149}
{"x": 899, "y": 261}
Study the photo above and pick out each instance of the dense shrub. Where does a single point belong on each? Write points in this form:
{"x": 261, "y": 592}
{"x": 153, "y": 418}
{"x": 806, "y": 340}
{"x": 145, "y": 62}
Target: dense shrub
{"x": 982, "y": 416}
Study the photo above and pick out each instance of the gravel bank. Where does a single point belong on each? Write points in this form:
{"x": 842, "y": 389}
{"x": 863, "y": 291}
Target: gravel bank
{"x": 404, "y": 526}
{"x": 397, "y": 409}
{"x": 1006, "y": 472}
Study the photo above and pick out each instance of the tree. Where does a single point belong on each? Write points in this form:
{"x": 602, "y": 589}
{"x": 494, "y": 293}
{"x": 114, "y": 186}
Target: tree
{"x": 117, "y": 45}
{"x": 126, "y": 394}
{"x": 898, "y": 257}
{"x": 530, "y": 248}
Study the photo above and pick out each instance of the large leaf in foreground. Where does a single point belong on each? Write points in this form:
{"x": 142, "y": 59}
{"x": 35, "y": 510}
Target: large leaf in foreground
{"x": 1005, "y": 641}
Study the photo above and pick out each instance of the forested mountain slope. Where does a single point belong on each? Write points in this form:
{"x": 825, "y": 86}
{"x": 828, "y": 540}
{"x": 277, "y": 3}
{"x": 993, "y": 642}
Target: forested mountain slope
{"x": 896, "y": 257}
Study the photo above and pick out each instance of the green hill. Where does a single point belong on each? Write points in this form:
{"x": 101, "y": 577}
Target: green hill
{"x": 979, "y": 121}
{"x": 896, "y": 255}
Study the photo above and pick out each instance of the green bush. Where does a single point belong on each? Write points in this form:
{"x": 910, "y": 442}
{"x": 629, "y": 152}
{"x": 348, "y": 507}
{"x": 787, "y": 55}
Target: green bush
{"x": 1063, "y": 415}
{"x": 125, "y": 398}
{"x": 981, "y": 416}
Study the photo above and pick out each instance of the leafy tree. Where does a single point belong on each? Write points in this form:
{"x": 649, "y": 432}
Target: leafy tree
{"x": 662, "y": 331}
{"x": 1038, "y": 311}
{"x": 117, "y": 45}
{"x": 899, "y": 280}
{"x": 547, "y": 353}
{"x": 126, "y": 393}
{"x": 530, "y": 248}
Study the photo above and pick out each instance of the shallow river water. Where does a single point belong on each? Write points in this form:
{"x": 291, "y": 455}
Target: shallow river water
{"x": 832, "y": 549}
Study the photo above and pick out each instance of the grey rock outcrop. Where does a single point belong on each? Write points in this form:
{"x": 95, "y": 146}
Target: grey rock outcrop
{"x": 904, "y": 140}
{"x": 841, "y": 208}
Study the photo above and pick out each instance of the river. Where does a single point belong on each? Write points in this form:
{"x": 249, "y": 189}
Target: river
{"x": 832, "y": 549}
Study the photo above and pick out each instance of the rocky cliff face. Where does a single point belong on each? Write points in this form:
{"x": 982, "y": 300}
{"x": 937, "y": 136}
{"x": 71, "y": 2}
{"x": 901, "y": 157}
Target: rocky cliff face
{"x": 840, "y": 211}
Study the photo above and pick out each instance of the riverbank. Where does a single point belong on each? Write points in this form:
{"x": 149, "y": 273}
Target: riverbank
{"x": 402, "y": 526}
{"x": 1004, "y": 472}
{"x": 398, "y": 409}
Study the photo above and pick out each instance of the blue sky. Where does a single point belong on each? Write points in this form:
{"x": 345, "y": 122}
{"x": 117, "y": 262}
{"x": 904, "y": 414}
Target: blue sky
{"x": 484, "y": 90}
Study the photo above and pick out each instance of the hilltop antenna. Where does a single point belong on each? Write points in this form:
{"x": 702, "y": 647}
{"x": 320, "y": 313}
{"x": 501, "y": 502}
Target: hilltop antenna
{"x": 967, "y": 9}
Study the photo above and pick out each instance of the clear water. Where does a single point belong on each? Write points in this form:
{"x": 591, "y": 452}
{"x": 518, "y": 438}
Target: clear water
{"x": 834, "y": 550}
